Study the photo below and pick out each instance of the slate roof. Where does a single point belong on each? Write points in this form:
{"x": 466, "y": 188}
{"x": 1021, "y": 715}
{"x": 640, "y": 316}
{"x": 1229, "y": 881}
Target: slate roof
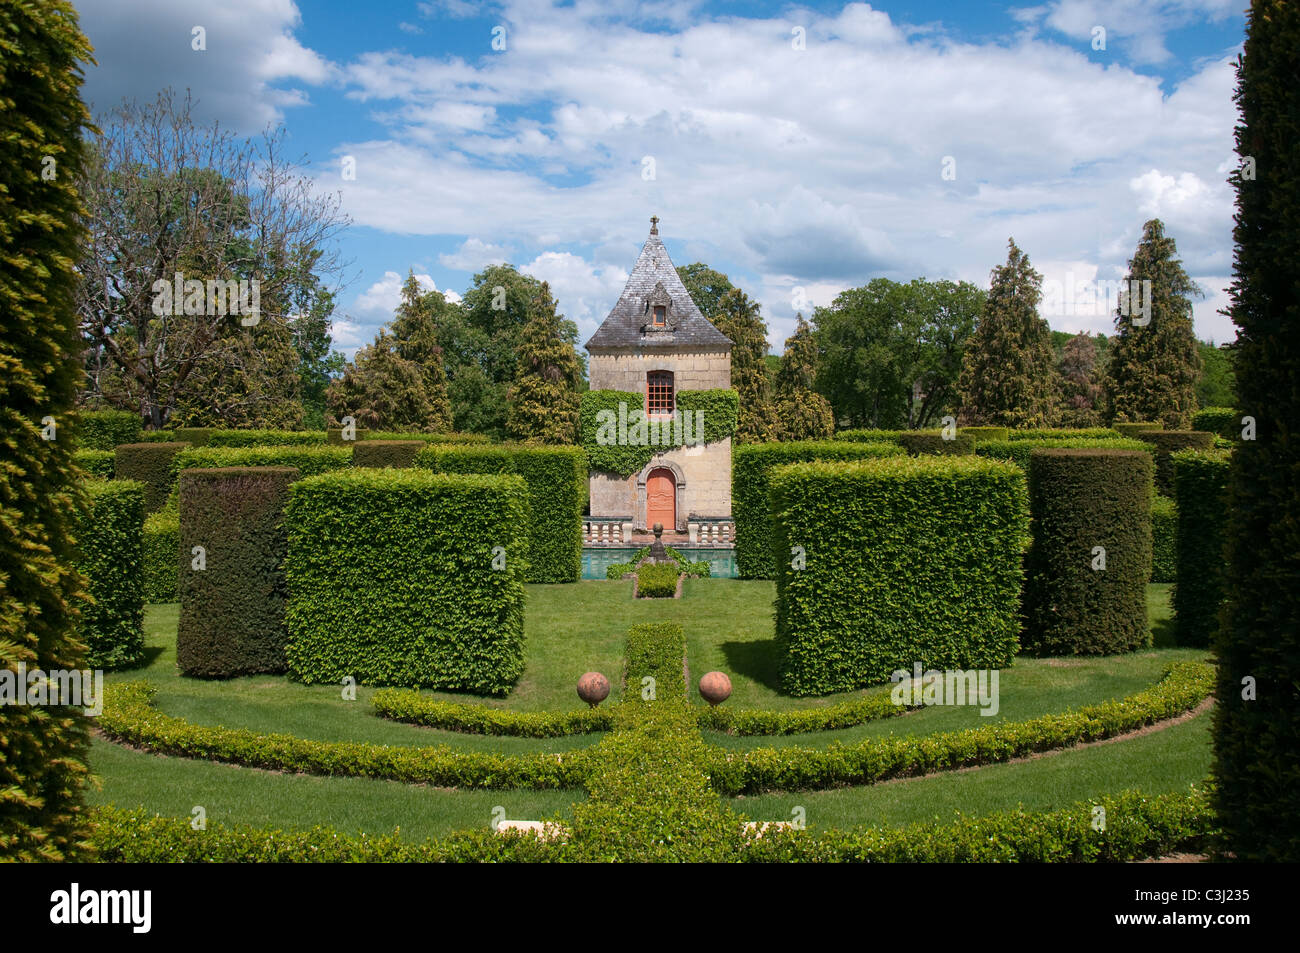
{"x": 689, "y": 330}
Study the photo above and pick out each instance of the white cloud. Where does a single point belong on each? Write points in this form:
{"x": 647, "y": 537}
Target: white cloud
{"x": 381, "y": 299}
{"x": 584, "y": 292}
{"x": 1141, "y": 26}
{"x": 474, "y": 255}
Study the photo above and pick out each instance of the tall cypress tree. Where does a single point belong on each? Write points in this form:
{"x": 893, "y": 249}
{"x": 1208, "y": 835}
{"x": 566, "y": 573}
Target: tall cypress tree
{"x": 1008, "y": 369}
{"x": 1154, "y": 361}
{"x": 1257, "y": 714}
{"x": 801, "y": 412}
{"x": 42, "y": 746}
{"x": 415, "y": 334}
{"x": 737, "y": 316}
{"x": 543, "y": 400}
{"x": 1080, "y": 385}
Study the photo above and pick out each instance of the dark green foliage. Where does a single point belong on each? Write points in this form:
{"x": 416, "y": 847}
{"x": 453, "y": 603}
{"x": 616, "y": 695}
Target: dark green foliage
{"x": 556, "y": 478}
{"x": 381, "y": 389}
{"x": 738, "y": 317}
{"x": 1166, "y": 442}
{"x": 394, "y": 581}
{"x": 308, "y": 460}
{"x": 151, "y": 464}
{"x": 657, "y": 580}
{"x": 99, "y": 463}
{"x": 426, "y": 437}
{"x": 801, "y": 412}
{"x": 542, "y": 403}
{"x": 157, "y": 436}
{"x": 1009, "y": 366}
{"x": 706, "y": 287}
{"x": 1018, "y": 451}
{"x": 749, "y": 492}
{"x": 108, "y": 544}
{"x": 264, "y": 438}
{"x": 961, "y": 444}
{"x": 1132, "y": 429}
{"x": 232, "y": 619}
{"x": 1082, "y": 433}
{"x": 1217, "y": 385}
{"x": 162, "y": 547}
{"x": 1164, "y": 539}
{"x": 1257, "y": 742}
{"x": 1154, "y": 363}
{"x": 884, "y": 563}
{"x": 334, "y": 436}
{"x": 655, "y": 650}
{"x": 1081, "y": 499}
{"x": 105, "y": 429}
{"x": 194, "y": 436}
{"x": 42, "y": 124}
{"x": 1080, "y": 377}
{"x": 1223, "y": 421}
{"x": 982, "y": 434}
{"x": 1201, "y": 489}
{"x": 607, "y": 416}
{"x": 386, "y": 453}
{"x": 415, "y": 331}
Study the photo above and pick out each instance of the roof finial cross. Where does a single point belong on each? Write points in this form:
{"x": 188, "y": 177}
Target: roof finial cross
{"x": 654, "y": 224}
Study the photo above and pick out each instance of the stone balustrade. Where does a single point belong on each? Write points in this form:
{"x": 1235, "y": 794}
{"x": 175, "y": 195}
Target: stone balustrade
{"x": 711, "y": 532}
{"x": 606, "y": 531}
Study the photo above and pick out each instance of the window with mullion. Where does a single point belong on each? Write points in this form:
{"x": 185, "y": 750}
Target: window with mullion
{"x": 659, "y": 393}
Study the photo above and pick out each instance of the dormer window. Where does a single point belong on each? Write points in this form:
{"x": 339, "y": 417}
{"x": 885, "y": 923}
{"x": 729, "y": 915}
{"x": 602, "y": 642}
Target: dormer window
{"x": 660, "y": 316}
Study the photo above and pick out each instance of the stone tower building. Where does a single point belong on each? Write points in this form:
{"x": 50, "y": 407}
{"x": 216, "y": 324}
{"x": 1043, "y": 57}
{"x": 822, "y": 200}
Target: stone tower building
{"x": 656, "y": 343}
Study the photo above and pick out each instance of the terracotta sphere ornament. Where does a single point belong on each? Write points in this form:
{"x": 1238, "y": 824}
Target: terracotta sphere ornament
{"x": 593, "y": 688}
{"x": 715, "y": 687}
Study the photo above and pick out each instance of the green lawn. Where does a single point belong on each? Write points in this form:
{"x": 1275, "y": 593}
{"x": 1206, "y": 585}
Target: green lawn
{"x": 1162, "y": 761}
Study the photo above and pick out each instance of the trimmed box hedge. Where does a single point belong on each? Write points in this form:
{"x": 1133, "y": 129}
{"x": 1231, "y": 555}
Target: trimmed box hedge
{"x": 98, "y": 463}
{"x": 1223, "y": 421}
{"x": 233, "y": 592}
{"x": 162, "y": 547}
{"x": 1166, "y": 442}
{"x": 265, "y": 438}
{"x": 1018, "y": 451}
{"x": 987, "y": 433}
{"x": 1066, "y": 433}
{"x": 1164, "y": 541}
{"x": 308, "y": 460}
{"x": 151, "y": 464}
{"x": 334, "y": 436}
{"x": 386, "y": 453}
{"x": 657, "y": 580}
{"x": 1201, "y": 489}
{"x": 1133, "y": 429}
{"x": 106, "y": 429}
{"x": 869, "y": 436}
{"x": 407, "y": 578}
{"x": 750, "y": 508}
{"x": 654, "y": 650}
{"x": 556, "y": 478}
{"x": 889, "y": 562}
{"x": 961, "y": 444}
{"x": 108, "y": 543}
{"x": 1079, "y": 500}
{"x": 429, "y": 437}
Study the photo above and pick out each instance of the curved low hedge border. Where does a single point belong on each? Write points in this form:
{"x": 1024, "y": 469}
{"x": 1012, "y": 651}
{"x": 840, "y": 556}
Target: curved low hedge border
{"x": 1137, "y": 826}
{"x": 1185, "y": 686}
{"x": 407, "y": 705}
{"x": 129, "y": 716}
{"x": 848, "y": 714}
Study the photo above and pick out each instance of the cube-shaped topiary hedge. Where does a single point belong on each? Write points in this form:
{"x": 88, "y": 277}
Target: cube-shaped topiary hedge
{"x": 406, "y": 577}
{"x": 151, "y": 464}
{"x": 308, "y": 460}
{"x": 386, "y": 453}
{"x": 750, "y": 508}
{"x": 427, "y": 437}
{"x": 1065, "y": 433}
{"x": 1201, "y": 490}
{"x": 334, "y": 436}
{"x": 961, "y": 443}
{"x": 869, "y": 436}
{"x": 1018, "y": 451}
{"x": 1166, "y": 442}
{"x": 98, "y": 463}
{"x": 1088, "y": 566}
{"x": 1132, "y": 429}
{"x": 106, "y": 429}
{"x": 162, "y": 546}
{"x": 1223, "y": 421}
{"x": 885, "y": 563}
{"x": 266, "y": 438}
{"x": 108, "y": 543}
{"x": 987, "y": 433}
{"x": 556, "y": 478}
{"x": 232, "y": 584}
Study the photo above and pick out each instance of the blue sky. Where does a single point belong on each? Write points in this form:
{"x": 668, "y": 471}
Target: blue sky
{"x": 801, "y": 148}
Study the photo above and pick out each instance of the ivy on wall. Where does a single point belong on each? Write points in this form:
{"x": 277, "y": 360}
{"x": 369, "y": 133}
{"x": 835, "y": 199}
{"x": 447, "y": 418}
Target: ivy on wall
{"x": 619, "y": 439}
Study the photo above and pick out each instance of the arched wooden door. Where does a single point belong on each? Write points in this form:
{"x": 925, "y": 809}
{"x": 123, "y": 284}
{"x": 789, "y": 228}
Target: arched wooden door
{"x": 661, "y": 499}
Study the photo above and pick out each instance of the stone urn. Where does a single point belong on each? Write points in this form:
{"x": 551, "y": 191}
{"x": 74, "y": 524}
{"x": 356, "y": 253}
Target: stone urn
{"x": 657, "y": 552}
{"x": 715, "y": 687}
{"x": 593, "y": 688}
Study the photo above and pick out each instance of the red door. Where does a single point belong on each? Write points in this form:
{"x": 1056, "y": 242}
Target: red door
{"x": 661, "y": 500}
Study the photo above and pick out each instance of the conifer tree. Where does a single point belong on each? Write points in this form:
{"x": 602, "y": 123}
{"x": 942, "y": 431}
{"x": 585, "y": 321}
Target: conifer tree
{"x": 1080, "y": 382}
{"x": 1154, "y": 360}
{"x": 738, "y": 317}
{"x": 381, "y": 390}
{"x": 801, "y": 412}
{"x": 415, "y": 334}
{"x": 543, "y": 400}
{"x": 42, "y": 151}
{"x": 1256, "y": 716}
{"x": 1008, "y": 369}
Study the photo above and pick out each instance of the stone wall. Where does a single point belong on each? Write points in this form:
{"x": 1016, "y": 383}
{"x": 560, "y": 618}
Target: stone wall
{"x": 704, "y": 485}
{"x": 709, "y": 370}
